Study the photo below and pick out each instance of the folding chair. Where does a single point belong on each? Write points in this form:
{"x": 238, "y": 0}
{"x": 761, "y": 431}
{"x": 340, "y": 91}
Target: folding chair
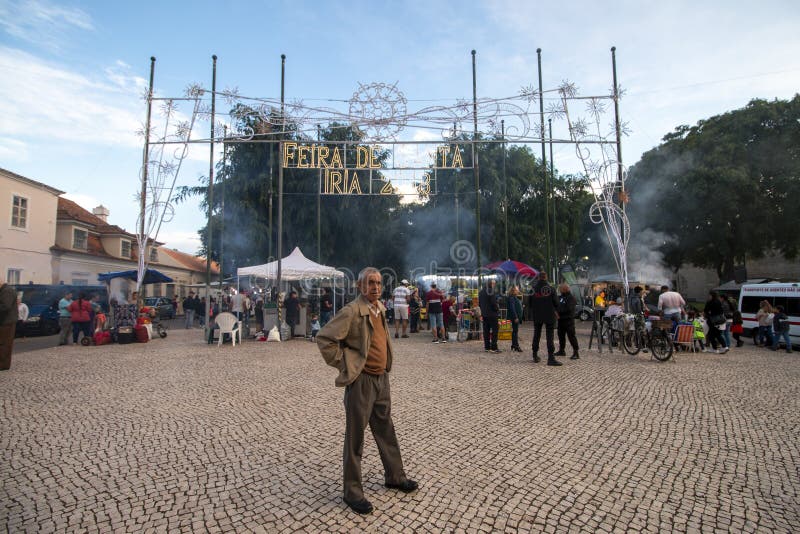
{"x": 228, "y": 324}
{"x": 684, "y": 336}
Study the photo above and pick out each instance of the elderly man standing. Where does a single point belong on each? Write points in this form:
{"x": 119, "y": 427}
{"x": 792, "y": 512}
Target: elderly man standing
{"x": 356, "y": 342}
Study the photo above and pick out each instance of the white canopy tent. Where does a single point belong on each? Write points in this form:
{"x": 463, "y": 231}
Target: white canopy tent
{"x": 295, "y": 266}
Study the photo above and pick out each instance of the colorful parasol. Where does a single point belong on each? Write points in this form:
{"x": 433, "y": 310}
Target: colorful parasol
{"x": 512, "y": 268}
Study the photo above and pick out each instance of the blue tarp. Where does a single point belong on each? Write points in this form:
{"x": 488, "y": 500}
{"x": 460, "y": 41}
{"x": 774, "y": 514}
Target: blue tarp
{"x": 151, "y": 276}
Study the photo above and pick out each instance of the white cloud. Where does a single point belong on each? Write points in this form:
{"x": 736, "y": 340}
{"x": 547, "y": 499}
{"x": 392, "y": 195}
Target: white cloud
{"x": 42, "y": 23}
{"x": 188, "y": 242}
{"x": 13, "y": 150}
{"x": 42, "y": 101}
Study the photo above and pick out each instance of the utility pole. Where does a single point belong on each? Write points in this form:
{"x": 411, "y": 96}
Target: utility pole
{"x": 544, "y": 167}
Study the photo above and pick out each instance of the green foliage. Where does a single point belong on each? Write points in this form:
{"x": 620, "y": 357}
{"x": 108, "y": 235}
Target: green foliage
{"x": 725, "y": 189}
{"x": 379, "y": 230}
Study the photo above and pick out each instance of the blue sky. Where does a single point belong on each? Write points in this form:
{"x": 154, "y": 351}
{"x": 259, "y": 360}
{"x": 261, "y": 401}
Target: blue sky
{"x": 72, "y": 73}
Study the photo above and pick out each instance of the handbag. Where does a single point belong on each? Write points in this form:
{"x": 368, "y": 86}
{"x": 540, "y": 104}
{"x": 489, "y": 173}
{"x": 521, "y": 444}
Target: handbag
{"x": 717, "y": 320}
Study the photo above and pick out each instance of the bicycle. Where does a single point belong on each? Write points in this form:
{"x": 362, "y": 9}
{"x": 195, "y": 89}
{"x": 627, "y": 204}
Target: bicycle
{"x": 657, "y": 339}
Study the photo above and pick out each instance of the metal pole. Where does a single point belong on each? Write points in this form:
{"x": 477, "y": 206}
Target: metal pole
{"x": 620, "y": 181}
{"x": 476, "y": 170}
{"x": 210, "y": 195}
{"x": 223, "y": 179}
{"x": 271, "y": 164}
{"x": 145, "y": 165}
{"x": 544, "y": 166}
{"x": 319, "y": 207}
{"x": 555, "y": 228}
{"x": 280, "y": 190}
{"x": 505, "y": 186}
{"x": 617, "y": 129}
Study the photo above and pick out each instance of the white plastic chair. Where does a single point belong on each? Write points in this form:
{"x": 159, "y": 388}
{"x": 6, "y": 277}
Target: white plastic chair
{"x": 228, "y": 324}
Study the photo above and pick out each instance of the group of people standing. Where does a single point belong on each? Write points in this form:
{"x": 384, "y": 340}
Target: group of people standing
{"x": 773, "y": 325}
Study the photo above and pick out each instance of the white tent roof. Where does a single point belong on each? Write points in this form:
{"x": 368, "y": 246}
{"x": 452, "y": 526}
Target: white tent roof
{"x": 295, "y": 266}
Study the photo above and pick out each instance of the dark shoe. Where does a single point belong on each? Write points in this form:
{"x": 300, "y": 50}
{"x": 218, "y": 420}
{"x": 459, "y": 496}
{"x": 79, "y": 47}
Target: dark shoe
{"x": 536, "y": 358}
{"x": 361, "y": 506}
{"x": 406, "y": 486}
{"x": 436, "y": 340}
{"x": 574, "y": 357}
{"x": 560, "y": 353}
{"x": 395, "y": 335}
{"x": 405, "y": 335}
{"x": 553, "y": 362}
{"x": 739, "y": 343}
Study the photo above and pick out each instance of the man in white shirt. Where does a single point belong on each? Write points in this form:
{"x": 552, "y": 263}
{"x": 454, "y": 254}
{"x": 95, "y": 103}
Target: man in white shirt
{"x": 400, "y": 301}
{"x": 236, "y": 305}
{"x": 22, "y": 316}
{"x": 670, "y": 304}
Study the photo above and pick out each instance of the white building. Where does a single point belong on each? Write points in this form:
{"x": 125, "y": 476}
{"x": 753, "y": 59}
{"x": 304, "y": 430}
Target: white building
{"x": 27, "y": 229}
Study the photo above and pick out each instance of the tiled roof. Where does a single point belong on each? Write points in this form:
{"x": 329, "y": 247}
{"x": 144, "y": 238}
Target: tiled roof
{"x": 195, "y": 263}
{"x": 68, "y": 209}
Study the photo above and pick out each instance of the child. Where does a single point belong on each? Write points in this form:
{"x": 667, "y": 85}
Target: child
{"x": 737, "y": 328}
{"x": 314, "y": 326}
{"x": 699, "y": 331}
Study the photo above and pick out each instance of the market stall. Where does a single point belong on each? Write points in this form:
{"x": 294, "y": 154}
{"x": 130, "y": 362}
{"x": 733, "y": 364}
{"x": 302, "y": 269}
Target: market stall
{"x": 294, "y": 268}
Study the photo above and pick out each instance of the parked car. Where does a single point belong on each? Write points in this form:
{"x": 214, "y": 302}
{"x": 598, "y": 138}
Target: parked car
{"x": 163, "y": 305}
{"x": 42, "y": 301}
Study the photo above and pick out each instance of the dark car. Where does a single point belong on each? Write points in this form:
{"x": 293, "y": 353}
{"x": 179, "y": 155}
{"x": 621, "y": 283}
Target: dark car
{"x": 42, "y": 301}
{"x": 163, "y": 305}
{"x": 42, "y": 321}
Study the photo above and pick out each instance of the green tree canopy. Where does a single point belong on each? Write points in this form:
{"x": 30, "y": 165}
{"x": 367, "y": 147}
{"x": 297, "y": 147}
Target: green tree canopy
{"x": 725, "y": 189}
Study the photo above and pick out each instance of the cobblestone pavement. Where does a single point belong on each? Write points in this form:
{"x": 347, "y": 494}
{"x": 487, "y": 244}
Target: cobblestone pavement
{"x": 177, "y": 435}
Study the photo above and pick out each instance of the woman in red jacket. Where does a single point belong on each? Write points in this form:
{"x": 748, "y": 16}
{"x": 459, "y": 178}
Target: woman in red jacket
{"x": 80, "y": 311}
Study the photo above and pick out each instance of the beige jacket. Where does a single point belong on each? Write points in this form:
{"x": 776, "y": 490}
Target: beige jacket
{"x": 345, "y": 340}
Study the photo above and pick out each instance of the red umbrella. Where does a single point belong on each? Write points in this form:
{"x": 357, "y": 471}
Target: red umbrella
{"x": 512, "y": 268}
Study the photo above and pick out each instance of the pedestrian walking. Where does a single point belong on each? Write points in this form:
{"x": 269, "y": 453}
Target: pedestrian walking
{"x": 515, "y": 316}
{"x": 64, "y": 318}
{"x": 715, "y": 318}
{"x": 188, "y": 310}
{"x": 566, "y": 321}
{"x": 490, "y": 312}
{"x": 357, "y": 343}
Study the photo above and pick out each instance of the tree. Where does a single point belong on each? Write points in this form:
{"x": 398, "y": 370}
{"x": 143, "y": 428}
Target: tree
{"x": 725, "y": 189}
{"x": 356, "y": 231}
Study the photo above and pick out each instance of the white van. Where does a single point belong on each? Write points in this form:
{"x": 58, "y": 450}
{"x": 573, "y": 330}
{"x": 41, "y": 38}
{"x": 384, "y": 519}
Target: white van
{"x": 777, "y": 294}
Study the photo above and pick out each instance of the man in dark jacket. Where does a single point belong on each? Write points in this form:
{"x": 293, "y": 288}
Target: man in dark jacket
{"x": 8, "y": 324}
{"x": 544, "y": 305}
{"x": 490, "y": 311}
{"x": 566, "y": 321}
{"x": 515, "y": 316}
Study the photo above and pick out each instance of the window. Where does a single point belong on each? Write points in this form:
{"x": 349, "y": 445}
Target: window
{"x": 156, "y": 290}
{"x": 13, "y": 276}
{"x": 19, "y": 212}
{"x": 170, "y": 290}
{"x": 79, "y": 238}
{"x": 153, "y": 254}
{"x": 125, "y": 249}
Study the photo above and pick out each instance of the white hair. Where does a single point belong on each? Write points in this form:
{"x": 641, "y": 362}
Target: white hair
{"x": 364, "y": 274}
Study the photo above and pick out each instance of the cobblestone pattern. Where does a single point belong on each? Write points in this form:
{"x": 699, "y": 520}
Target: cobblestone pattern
{"x": 178, "y": 436}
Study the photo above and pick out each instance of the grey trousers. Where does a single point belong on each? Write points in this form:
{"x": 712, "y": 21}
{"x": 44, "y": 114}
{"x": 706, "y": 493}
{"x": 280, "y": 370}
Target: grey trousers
{"x": 66, "y": 329}
{"x": 368, "y": 401}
